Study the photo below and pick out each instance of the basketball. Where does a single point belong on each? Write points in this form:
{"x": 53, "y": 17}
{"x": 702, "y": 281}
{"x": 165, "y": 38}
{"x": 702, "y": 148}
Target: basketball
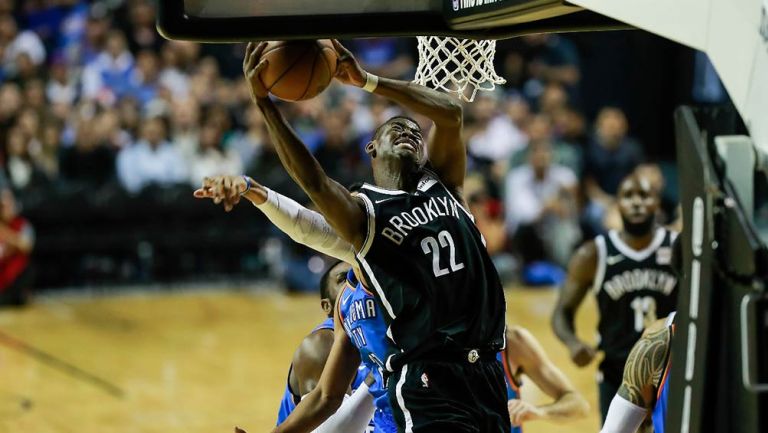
{"x": 298, "y": 70}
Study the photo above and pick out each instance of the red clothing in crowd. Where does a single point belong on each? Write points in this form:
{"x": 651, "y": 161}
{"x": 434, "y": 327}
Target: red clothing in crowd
{"x": 12, "y": 261}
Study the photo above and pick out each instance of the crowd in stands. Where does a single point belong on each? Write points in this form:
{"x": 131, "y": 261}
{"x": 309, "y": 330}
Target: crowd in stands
{"x": 93, "y": 101}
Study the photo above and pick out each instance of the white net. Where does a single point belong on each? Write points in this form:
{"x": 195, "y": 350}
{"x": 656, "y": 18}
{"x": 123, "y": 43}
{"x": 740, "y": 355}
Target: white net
{"x": 460, "y": 66}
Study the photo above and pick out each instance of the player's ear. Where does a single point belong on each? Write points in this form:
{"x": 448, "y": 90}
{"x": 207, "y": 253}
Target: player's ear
{"x": 326, "y": 305}
{"x": 370, "y": 149}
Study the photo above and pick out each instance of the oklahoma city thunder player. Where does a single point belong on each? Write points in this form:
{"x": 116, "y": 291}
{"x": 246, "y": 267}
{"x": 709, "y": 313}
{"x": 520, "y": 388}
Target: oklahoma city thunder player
{"x": 645, "y": 384}
{"x": 309, "y": 361}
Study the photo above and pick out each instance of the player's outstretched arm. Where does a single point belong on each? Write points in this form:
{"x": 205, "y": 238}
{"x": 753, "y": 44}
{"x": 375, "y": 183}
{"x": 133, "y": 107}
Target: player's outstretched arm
{"x": 325, "y": 399}
{"x": 304, "y": 226}
{"x": 526, "y": 353}
{"x": 642, "y": 376}
{"x": 581, "y": 272}
{"x": 445, "y": 148}
{"x": 344, "y": 212}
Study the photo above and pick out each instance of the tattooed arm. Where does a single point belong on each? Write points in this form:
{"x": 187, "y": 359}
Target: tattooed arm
{"x": 642, "y": 374}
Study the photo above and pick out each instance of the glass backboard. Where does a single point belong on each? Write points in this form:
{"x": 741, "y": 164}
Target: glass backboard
{"x": 249, "y": 20}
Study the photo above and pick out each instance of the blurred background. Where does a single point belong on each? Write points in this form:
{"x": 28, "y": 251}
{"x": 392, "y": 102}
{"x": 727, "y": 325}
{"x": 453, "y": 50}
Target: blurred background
{"x": 105, "y": 128}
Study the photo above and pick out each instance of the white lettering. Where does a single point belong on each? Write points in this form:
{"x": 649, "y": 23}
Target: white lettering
{"x": 423, "y": 219}
{"x": 392, "y": 235}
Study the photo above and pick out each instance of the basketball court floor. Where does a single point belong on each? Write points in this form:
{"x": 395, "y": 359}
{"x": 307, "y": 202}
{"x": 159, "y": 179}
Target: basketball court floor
{"x": 192, "y": 362}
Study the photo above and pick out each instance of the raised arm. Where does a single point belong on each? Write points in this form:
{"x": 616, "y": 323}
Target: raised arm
{"x": 445, "y": 148}
{"x": 344, "y": 212}
{"x": 642, "y": 377}
{"x": 526, "y": 354}
{"x": 581, "y": 272}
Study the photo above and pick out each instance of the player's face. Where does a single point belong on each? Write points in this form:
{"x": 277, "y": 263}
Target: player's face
{"x": 337, "y": 277}
{"x": 401, "y": 139}
{"x": 638, "y": 203}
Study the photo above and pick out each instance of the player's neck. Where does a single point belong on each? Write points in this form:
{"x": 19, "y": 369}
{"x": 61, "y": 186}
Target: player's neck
{"x": 640, "y": 241}
{"x": 396, "y": 178}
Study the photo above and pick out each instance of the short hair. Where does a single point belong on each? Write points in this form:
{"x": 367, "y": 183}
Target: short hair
{"x": 378, "y": 130}
{"x": 325, "y": 283}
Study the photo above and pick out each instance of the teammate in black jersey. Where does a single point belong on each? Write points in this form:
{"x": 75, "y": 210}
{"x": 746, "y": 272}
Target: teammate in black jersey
{"x": 629, "y": 273}
{"x": 420, "y": 251}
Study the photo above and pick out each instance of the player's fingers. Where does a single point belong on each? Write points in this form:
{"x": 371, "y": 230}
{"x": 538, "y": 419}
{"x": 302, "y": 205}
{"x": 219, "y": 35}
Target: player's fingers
{"x": 248, "y": 55}
{"x": 201, "y": 193}
{"x": 340, "y": 49}
{"x": 262, "y": 64}
{"x": 260, "y": 47}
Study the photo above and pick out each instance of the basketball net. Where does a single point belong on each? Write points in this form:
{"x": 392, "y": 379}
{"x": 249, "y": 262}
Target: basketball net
{"x": 459, "y": 66}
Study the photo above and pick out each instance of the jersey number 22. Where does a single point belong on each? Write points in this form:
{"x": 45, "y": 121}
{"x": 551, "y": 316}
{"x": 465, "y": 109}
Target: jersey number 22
{"x": 433, "y": 246}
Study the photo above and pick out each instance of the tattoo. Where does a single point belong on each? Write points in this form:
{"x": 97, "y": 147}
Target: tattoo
{"x": 644, "y": 367}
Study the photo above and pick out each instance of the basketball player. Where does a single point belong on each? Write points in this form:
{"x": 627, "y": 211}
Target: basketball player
{"x": 365, "y": 327}
{"x": 355, "y": 416}
{"x": 419, "y": 248}
{"x": 629, "y": 273}
{"x": 644, "y": 387}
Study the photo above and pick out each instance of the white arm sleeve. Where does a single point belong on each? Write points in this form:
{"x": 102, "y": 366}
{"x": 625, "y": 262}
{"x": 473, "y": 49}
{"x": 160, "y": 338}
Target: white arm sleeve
{"x": 623, "y": 416}
{"x": 305, "y": 226}
{"x": 353, "y": 416}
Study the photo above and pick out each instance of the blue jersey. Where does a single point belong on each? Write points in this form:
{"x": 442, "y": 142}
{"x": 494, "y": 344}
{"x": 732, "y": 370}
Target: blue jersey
{"x": 513, "y": 386}
{"x": 291, "y": 398}
{"x": 659, "y": 415}
{"x": 359, "y": 314}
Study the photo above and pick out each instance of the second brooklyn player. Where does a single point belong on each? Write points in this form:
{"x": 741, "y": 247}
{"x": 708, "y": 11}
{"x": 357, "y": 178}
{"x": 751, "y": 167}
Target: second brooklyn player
{"x": 629, "y": 273}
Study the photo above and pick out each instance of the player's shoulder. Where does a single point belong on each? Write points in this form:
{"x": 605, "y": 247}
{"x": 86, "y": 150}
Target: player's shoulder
{"x": 314, "y": 348}
{"x": 586, "y": 254}
{"x": 658, "y": 326}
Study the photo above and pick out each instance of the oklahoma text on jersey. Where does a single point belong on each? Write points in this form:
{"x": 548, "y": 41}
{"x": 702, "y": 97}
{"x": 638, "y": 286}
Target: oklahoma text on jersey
{"x": 407, "y": 221}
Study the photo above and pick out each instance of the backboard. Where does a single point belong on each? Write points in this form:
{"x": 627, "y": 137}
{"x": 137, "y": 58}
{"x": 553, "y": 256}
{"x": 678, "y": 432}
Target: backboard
{"x": 249, "y": 20}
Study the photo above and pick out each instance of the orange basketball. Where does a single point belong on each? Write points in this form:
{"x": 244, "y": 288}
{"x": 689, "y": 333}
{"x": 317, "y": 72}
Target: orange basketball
{"x": 298, "y": 70}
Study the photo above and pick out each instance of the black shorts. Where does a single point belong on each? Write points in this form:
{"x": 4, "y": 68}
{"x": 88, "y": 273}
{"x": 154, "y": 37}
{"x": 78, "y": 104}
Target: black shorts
{"x": 444, "y": 397}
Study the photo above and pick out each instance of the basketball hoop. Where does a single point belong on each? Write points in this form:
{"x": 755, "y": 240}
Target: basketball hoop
{"x": 460, "y": 66}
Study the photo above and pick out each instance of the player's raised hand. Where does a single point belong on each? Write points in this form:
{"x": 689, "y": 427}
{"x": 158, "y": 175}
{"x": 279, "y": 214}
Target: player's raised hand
{"x": 252, "y": 67}
{"x": 521, "y": 411}
{"x": 348, "y": 71}
{"x": 224, "y": 189}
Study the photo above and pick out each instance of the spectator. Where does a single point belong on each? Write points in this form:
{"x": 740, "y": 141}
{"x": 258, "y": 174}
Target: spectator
{"x": 337, "y": 153}
{"x": 210, "y": 159}
{"x": 107, "y": 78}
{"x": 248, "y": 144}
{"x": 23, "y": 173}
{"x": 185, "y": 131}
{"x": 611, "y": 155}
{"x": 540, "y": 207}
{"x": 172, "y": 76}
{"x": 90, "y": 161}
{"x": 10, "y": 104}
{"x": 61, "y": 89}
{"x": 17, "y": 239}
{"x": 492, "y": 135}
{"x": 153, "y": 160}
{"x": 540, "y": 129}
{"x": 145, "y": 78}
{"x": 16, "y": 43}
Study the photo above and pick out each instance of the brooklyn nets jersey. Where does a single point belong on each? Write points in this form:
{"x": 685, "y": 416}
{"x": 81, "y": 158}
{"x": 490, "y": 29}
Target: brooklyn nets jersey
{"x": 431, "y": 273}
{"x": 633, "y": 289}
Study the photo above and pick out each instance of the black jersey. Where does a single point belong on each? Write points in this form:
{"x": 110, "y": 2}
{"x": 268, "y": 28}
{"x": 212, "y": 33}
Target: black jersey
{"x": 431, "y": 273}
{"x": 633, "y": 289}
